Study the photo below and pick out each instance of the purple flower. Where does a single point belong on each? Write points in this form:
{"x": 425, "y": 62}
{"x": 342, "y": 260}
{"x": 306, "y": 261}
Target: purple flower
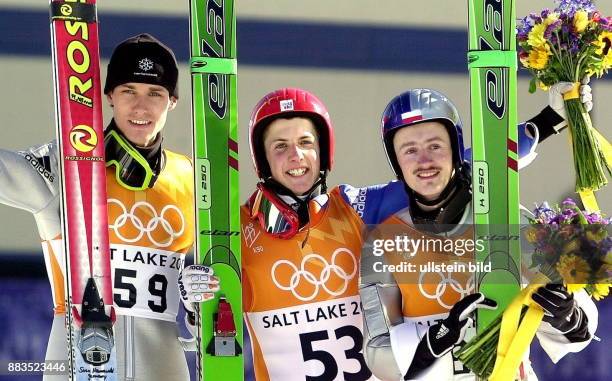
{"x": 548, "y": 34}
{"x": 569, "y": 213}
{"x": 544, "y": 213}
{"x": 605, "y": 245}
{"x": 594, "y": 218}
{"x": 523, "y": 28}
{"x": 535, "y": 18}
{"x": 565, "y": 28}
{"x": 553, "y": 39}
{"x": 564, "y": 218}
{"x": 570, "y": 7}
{"x": 545, "y": 13}
{"x": 569, "y": 202}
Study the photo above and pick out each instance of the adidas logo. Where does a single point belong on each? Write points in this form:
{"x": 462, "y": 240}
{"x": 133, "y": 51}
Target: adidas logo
{"x": 41, "y": 164}
{"x": 442, "y": 332}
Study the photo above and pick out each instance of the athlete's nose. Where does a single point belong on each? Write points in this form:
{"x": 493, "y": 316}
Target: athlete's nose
{"x": 140, "y": 103}
{"x": 423, "y": 156}
{"x": 295, "y": 153}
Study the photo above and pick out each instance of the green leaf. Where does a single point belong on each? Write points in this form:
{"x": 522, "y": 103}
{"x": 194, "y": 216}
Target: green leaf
{"x": 532, "y": 85}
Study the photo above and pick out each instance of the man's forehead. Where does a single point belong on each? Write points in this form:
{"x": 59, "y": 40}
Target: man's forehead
{"x": 148, "y": 86}
{"x": 290, "y": 128}
{"x": 418, "y": 133}
{"x": 287, "y": 134}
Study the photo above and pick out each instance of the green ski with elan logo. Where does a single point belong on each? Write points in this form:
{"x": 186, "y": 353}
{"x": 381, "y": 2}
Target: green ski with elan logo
{"x": 215, "y": 147}
{"x": 492, "y": 66}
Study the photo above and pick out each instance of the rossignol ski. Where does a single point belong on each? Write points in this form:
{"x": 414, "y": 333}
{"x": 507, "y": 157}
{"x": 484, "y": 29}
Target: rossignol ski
{"x": 89, "y": 300}
{"x": 215, "y": 147}
{"x": 492, "y": 66}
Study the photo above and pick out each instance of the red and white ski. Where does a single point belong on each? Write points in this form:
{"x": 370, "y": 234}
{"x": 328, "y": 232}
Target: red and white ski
{"x": 89, "y": 300}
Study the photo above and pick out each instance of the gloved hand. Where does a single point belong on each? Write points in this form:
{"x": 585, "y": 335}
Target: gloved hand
{"x": 553, "y": 118}
{"x": 556, "y": 91}
{"x": 443, "y": 336}
{"x": 560, "y": 310}
{"x": 196, "y": 284}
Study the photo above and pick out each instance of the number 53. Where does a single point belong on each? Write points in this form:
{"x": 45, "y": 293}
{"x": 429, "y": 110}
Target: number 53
{"x": 330, "y": 366}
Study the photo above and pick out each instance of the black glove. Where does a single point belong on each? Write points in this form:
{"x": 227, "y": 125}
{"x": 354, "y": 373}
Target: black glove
{"x": 561, "y": 312}
{"x": 443, "y": 336}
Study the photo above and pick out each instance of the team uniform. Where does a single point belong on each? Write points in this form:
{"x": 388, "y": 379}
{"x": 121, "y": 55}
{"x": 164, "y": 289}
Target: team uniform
{"x": 397, "y": 323}
{"x": 413, "y": 322}
{"x": 150, "y": 231}
{"x": 299, "y": 252}
{"x": 300, "y": 295}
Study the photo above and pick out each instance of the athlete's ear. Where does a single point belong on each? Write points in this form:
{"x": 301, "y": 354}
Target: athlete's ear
{"x": 172, "y": 104}
{"x": 109, "y": 98}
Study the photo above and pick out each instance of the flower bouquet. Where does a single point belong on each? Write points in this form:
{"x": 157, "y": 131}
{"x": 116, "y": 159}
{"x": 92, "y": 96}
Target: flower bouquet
{"x": 570, "y": 247}
{"x": 568, "y": 44}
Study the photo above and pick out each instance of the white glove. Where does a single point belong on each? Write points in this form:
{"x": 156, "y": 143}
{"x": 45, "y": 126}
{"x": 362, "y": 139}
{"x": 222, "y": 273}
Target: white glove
{"x": 197, "y": 284}
{"x": 556, "y": 91}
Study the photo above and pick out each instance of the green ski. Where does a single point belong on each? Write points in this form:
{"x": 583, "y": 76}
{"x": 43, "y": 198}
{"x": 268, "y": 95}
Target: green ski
{"x": 215, "y": 147}
{"x": 492, "y": 66}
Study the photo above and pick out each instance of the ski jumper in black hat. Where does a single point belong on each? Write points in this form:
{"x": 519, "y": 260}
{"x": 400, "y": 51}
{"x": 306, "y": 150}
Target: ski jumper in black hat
{"x": 150, "y": 196}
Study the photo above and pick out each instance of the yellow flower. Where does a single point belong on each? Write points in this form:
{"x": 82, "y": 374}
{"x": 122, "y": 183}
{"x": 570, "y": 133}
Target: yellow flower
{"x": 601, "y": 290}
{"x": 538, "y": 57}
{"x": 543, "y": 86}
{"x": 531, "y": 234}
{"x": 552, "y": 17}
{"x": 575, "y": 287}
{"x": 581, "y": 20}
{"x": 597, "y": 236}
{"x": 604, "y": 274}
{"x": 603, "y": 278}
{"x": 604, "y": 48}
{"x": 572, "y": 246}
{"x": 573, "y": 270}
{"x": 535, "y": 37}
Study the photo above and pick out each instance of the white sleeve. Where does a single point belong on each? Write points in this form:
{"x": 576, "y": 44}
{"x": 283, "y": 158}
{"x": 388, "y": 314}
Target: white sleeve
{"x": 527, "y": 144}
{"x": 557, "y": 345}
{"x": 26, "y": 184}
{"x": 404, "y": 341}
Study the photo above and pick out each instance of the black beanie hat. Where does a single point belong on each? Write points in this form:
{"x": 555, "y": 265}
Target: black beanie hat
{"x": 142, "y": 59}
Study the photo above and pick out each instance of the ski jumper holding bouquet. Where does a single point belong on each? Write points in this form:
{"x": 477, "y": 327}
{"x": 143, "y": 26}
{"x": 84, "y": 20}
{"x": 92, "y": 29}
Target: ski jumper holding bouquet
{"x": 411, "y": 328}
{"x": 301, "y": 242}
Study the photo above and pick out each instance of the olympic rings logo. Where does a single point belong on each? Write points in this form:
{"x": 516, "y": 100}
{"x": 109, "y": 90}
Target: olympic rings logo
{"x": 302, "y": 273}
{"x": 150, "y": 226}
{"x": 447, "y": 279}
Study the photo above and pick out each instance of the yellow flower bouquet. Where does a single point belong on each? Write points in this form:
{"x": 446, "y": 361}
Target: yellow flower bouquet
{"x": 570, "y": 247}
{"x": 569, "y": 43}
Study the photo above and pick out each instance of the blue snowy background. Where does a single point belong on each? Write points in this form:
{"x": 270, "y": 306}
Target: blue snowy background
{"x": 354, "y": 54}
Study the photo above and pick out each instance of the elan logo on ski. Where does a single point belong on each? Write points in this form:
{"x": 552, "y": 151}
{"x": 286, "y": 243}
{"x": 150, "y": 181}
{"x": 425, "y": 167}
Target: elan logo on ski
{"x": 286, "y": 105}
